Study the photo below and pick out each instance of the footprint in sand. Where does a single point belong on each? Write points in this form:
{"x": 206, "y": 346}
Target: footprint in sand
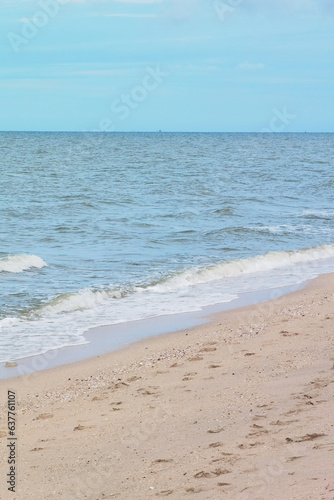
{"x": 319, "y": 383}
{"x": 292, "y": 459}
{"x": 82, "y": 427}
{"x": 287, "y": 422}
{"x": 287, "y": 334}
{"x": 257, "y": 443}
{"x": 323, "y": 445}
{"x": 37, "y": 449}
{"x": 295, "y": 411}
{"x": 208, "y": 349}
{"x": 213, "y": 473}
{"x": 147, "y": 392}
{"x": 257, "y": 433}
{"x": 118, "y": 385}
{"x": 133, "y": 379}
{"x": 189, "y": 376}
{"x": 194, "y": 490}
{"x": 195, "y": 358}
{"x": 215, "y": 431}
{"x": 258, "y": 417}
{"x": 164, "y": 493}
{"x": 245, "y": 447}
{"x": 44, "y": 416}
{"x": 307, "y": 437}
{"x": 215, "y": 445}
{"x": 215, "y": 460}
{"x": 162, "y": 461}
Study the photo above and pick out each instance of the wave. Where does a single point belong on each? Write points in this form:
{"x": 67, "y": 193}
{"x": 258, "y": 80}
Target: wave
{"x": 180, "y": 282}
{"x": 317, "y": 214}
{"x": 79, "y": 301}
{"x": 20, "y": 263}
{"x": 281, "y": 228}
{"x": 235, "y": 268}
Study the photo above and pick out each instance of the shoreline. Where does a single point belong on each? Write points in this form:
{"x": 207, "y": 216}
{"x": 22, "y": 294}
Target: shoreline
{"x": 100, "y": 336}
{"x": 110, "y": 338}
{"x": 239, "y": 407}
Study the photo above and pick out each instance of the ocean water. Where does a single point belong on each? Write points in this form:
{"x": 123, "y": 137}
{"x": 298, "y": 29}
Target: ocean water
{"x": 98, "y": 229}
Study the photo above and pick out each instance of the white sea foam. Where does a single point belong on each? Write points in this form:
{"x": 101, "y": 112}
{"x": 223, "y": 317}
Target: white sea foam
{"x": 20, "y": 263}
{"x": 181, "y": 282}
{"x": 235, "y": 268}
{"x": 276, "y": 229}
{"x": 82, "y": 300}
{"x": 63, "y": 320}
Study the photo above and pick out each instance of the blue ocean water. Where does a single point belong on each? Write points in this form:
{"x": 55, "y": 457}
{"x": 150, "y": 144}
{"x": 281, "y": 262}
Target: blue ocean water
{"x": 97, "y": 229}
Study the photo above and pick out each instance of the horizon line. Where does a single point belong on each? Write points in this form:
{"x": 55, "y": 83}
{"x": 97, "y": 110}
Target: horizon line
{"x": 161, "y": 132}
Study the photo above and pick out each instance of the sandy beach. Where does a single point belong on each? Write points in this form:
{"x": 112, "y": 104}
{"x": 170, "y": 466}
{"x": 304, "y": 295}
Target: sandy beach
{"x": 239, "y": 408}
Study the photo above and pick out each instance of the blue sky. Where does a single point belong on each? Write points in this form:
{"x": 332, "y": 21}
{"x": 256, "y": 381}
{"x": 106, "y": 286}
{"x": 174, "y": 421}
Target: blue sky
{"x": 171, "y": 65}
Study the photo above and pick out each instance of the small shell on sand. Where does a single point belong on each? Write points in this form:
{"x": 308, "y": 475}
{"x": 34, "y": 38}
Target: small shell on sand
{"x": 10, "y": 364}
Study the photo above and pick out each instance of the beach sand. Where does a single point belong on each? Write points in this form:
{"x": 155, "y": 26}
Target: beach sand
{"x": 239, "y": 408}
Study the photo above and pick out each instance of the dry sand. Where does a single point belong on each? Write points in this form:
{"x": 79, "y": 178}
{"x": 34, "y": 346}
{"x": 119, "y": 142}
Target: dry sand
{"x": 240, "y": 408}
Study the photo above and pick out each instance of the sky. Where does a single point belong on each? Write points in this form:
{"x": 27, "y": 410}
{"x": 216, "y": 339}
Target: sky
{"x": 170, "y": 65}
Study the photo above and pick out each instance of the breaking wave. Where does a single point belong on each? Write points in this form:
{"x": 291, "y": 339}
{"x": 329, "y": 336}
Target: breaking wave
{"x": 260, "y": 263}
{"x": 20, "y": 263}
{"x": 80, "y": 301}
{"x": 181, "y": 282}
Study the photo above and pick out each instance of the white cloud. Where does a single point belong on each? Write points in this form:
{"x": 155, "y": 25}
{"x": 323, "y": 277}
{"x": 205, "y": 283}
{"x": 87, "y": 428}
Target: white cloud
{"x": 247, "y": 66}
{"x": 139, "y": 1}
{"x": 65, "y": 2}
{"x": 305, "y": 6}
{"x": 99, "y": 72}
{"x": 123, "y": 15}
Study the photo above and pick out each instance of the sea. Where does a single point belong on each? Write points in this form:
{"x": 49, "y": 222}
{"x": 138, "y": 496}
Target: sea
{"x": 107, "y": 228}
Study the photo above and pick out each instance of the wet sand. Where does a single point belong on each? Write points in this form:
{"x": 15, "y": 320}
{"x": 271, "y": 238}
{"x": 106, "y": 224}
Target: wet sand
{"x": 238, "y": 408}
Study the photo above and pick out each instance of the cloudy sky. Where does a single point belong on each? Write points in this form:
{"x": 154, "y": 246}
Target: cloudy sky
{"x": 171, "y": 65}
